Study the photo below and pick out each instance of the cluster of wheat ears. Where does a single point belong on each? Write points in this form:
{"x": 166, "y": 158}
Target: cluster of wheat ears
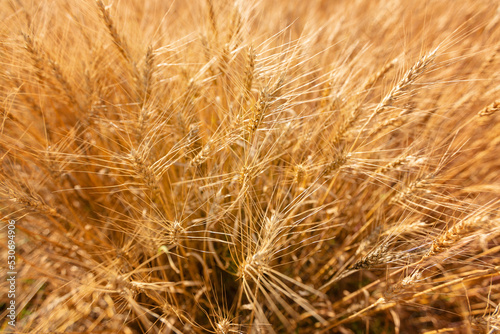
{"x": 227, "y": 166}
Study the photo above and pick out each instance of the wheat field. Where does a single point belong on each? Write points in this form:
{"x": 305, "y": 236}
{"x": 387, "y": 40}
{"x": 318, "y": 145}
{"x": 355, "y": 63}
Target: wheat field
{"x": 231, "y": 166}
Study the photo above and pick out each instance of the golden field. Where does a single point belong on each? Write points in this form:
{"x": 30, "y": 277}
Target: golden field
{"x": 230, "y": 166}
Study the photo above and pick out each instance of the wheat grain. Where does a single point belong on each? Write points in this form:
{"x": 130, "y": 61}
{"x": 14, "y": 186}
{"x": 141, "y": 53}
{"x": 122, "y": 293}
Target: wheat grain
{"x": 277, "y": 168}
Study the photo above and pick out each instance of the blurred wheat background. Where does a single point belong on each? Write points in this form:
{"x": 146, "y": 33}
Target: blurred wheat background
{"x": 227, "y": 166}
